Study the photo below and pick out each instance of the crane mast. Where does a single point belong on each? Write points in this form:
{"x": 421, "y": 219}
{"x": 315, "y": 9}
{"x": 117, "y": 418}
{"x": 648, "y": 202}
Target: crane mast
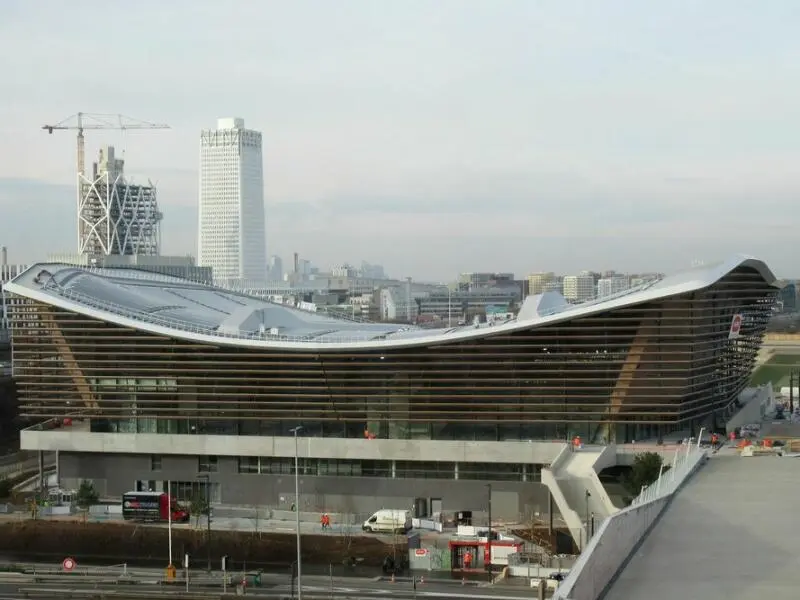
{"x": 115, "y": 216}
{"x": 81, "y": 147}
{"x": 82, "y": 121}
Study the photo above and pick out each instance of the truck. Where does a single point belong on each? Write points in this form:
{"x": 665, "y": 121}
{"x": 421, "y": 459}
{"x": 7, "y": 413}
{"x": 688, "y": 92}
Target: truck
{"x": 388, "y": 521}
{"x": 152, "y": 507}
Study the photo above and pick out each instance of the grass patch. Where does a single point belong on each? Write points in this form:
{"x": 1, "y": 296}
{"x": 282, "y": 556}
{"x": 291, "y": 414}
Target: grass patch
{"x": 784, "y": 359}
{"x": 776, "y": 370}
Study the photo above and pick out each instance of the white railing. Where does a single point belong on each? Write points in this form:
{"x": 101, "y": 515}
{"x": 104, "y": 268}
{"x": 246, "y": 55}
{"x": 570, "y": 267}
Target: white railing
{"x": 621, "y": 294}
{"x": 187, "y": 326}
{"x": 619, "y": 535}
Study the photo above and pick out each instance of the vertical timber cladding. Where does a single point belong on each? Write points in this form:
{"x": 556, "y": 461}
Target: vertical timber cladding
{"x": 659, "y": 362}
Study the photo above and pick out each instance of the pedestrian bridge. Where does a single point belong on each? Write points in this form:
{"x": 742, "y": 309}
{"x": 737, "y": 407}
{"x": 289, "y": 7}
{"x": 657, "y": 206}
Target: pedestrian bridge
{"x": 729, "y": 534}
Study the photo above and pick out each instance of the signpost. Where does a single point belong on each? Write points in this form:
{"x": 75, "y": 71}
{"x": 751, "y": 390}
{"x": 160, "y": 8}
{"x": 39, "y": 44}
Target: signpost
{"x": 186, "y": 567}
{"x": 736, "y": 326}
{"x": 225, "y": 574}
{"x": 171, "y": 570}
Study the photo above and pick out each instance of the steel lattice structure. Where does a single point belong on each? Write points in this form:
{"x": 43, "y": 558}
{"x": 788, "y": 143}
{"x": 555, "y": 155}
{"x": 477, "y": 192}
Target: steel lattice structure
{"x": 117, "y": 217}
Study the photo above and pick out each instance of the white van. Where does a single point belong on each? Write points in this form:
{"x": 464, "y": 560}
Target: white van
{"x": 388, "y": 521}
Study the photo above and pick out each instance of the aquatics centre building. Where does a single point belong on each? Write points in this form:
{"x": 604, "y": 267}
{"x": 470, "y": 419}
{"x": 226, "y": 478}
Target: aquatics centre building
{"x": 137, "y": 379}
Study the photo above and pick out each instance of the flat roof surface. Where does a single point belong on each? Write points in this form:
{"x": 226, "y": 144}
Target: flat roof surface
{"x": 730, "y": 534}
{"x": 177, "y": 307}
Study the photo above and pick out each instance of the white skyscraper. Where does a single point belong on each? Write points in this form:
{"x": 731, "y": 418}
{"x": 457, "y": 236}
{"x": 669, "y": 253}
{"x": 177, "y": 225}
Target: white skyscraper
{"x": 232, "y": 237}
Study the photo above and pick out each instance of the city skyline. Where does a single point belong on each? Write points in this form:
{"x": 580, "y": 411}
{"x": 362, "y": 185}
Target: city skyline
{"x": 434, "y": 138}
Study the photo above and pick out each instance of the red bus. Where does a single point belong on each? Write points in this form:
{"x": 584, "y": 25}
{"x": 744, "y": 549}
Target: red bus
{"x": 152, "y": 506}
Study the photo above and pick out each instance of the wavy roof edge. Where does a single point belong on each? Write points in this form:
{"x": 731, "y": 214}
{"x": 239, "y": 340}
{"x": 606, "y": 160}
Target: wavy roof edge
{"x": 536, "y": 310}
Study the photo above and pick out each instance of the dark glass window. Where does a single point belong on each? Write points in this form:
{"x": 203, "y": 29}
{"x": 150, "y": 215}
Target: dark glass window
{"x": 207, "y": 464}
{"x": 248, "y": 464}
{"x": 490, "y": 471}
{"x": 419, "y": 469}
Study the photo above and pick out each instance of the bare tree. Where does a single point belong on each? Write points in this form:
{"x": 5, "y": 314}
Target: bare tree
{"x": 346, "y": 526}
{"x": 538, "y": 537}
{"x": 256, "y": 522}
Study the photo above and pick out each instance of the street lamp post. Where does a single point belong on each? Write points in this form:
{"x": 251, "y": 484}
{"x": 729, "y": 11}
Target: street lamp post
{"x": 489, "y": 530}
{"x": 295, "y": 431}
{"x": 449, "y": 307}
{"x": 207, "y": 479}
{"x": 588, "y": 495}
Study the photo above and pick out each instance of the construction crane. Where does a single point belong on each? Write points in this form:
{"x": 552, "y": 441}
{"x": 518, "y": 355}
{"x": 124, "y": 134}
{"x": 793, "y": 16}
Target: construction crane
{"x": 82, "y": 121}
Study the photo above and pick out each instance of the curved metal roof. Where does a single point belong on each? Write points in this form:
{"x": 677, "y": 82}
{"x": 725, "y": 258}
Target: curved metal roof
{"x": 182, "y": 309}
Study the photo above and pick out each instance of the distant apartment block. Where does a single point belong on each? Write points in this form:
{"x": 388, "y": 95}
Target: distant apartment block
{"x": 344, "y": 270}
{"x": 369, "y": 271}
{"x": 469, "y": 281}
{"x": 463, "y": 306}
{"x": 7, "y": 273}
{"x": 275, "y": 268}
{"x": 787, "y": 298}
{"x": 399, "y": 302}
{"x": 539, "y": 283}
{"x": 614, "y": 284}
{"x": 579, "y": 288}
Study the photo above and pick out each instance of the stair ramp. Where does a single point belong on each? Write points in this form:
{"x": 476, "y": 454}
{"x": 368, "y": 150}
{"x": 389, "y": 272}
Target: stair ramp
{"x": 627, "y": 374}
{"x": 577, "y": 490}
{"x": 68, "y": 359}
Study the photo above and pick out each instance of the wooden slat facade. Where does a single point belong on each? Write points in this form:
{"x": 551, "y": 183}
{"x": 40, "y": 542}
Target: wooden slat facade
{"x": 663, "y": 362}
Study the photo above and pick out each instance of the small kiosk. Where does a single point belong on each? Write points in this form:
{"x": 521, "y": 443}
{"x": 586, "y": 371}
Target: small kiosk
{"x": 470, "y": 554}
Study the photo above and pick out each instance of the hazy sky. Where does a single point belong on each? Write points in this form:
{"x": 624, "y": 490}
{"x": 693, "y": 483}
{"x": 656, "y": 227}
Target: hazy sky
{"x": 430, "y": 136}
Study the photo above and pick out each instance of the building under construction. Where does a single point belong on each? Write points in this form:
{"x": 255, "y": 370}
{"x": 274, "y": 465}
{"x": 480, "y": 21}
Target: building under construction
{"x": 114, "y": 215}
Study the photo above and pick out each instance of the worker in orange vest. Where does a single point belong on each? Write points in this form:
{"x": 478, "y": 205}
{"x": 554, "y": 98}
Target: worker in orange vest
{"x": 467, "y": 560}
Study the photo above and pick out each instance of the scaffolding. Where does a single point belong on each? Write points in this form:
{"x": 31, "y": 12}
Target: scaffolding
{"x": 116, "y": 216}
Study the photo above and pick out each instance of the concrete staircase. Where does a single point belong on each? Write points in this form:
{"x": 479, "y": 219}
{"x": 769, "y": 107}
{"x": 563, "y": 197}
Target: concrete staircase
{"x": 577, "y": 490}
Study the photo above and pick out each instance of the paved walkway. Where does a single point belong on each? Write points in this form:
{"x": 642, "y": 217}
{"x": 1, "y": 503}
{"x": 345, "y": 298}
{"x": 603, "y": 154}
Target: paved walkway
{"x": 730, "y": 534}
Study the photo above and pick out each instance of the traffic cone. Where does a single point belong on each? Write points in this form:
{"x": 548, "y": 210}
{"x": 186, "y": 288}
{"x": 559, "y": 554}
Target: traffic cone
{"x": 392, "y": 577}
{"x": 463, "y": 580}
{"x": 421, "y": 579}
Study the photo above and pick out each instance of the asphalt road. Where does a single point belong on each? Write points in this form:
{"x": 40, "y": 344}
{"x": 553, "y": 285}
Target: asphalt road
{"x": 273, "y": 586}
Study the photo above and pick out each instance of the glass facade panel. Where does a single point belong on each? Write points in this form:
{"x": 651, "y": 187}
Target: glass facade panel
{"x": 418, "y": 469}
{"x": 207, "y": 464}
{"x": 248, "y": 464}
{"x": 491, "y": 471}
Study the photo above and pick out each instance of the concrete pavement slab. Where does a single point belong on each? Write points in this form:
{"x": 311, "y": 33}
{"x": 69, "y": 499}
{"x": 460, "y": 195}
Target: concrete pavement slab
{"x": 729, "y": 535}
